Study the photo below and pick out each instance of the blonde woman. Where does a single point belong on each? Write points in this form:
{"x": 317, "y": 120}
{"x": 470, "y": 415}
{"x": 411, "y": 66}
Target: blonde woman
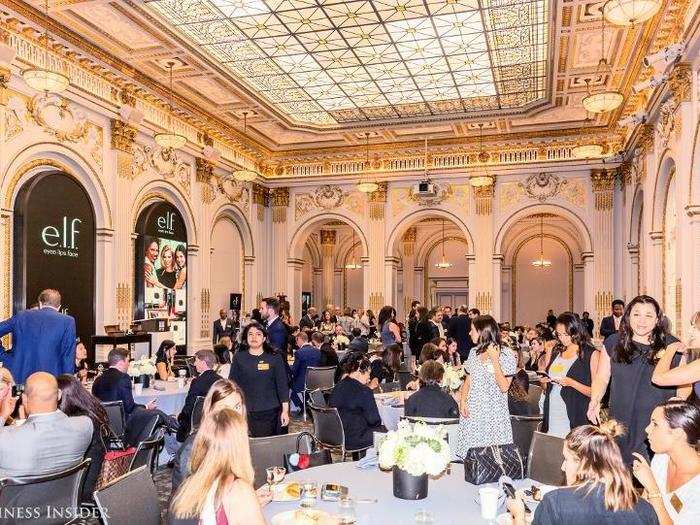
{"x": 7, "y": 402}
{"x": 220, "y": 488}
{"x": 599, "y": 486}
{"x": 167, "y": 274}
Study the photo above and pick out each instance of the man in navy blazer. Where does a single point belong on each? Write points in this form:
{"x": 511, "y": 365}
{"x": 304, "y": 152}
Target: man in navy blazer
{"x": 277, "y": 334}
{"x": 115, "y": 384}
{"x": 204, "y": 362}
{"x": 309, "y": 354}
{"x": 43, "y": 339}
{"x": 459, "y": 328}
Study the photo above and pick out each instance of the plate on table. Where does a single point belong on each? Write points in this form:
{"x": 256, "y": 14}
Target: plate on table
{"x": 290, "y": 491}
{"x": 304, "y": 517}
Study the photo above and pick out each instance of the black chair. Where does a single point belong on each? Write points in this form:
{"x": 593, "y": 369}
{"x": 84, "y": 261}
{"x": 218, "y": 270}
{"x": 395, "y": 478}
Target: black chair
{"x": 147, "y": 453}
{"x": 545, "y": 459}
{"x": 318, "y": 398}
{"x": 328, "y": 429}
{"x": 129, "y": 499}
{"x": 392, "y": 386}
{"x": 405, "y": 378}
{"x": 523, "y": 429}
{"x": 191, "y": 368}
{"x": 266, "y": 452}
{"x": 318, "y": 377}
{"x": 432, "y": 420}
{"x": 197, "y": 411}
{"x": 117, "y": 423}
{"x": 534, "y": 393}
{"x": 60, "y": 491}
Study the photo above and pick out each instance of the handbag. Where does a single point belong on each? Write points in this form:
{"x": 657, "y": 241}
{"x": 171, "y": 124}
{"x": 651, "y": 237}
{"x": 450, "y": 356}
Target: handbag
{"x": 116, "y": 463}
{"x": 301, "y": 461}
{"x": 488, "y": 464}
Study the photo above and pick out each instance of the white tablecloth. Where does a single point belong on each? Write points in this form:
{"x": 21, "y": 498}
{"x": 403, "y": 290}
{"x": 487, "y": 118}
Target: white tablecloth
{"x": 450, "y": 498}
{"x": 171, "y": 400}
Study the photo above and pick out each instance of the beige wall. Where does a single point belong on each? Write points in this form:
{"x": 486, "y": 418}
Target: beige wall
{"x": 226, "y": 263}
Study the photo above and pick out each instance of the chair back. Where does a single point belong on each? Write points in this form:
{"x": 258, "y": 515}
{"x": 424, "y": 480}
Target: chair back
{"x": 523, "y": 429}
{"x": 59, "y": 491}
{"x": 317, "y": 398}
{"x": 405, "y": 378}
{"x": 266, "y": 452}
{"x": 392, "y": 386}
{"x": 432, "y": 420}
{"x": 131, "y": 498}
{"x": 197, "y": 411}
{"x": 319, "y": 377}
{"x": 545, "y": 459}
{"x": 147, "y": 453}
{"x": 534, "y": 393}
{"x": 115, "y": 414}
{"x": 191, "y": 368}
{"x": 328, "y": 428}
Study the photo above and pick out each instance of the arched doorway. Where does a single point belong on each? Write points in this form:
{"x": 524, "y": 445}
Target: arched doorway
{"x": 54, "y": 246}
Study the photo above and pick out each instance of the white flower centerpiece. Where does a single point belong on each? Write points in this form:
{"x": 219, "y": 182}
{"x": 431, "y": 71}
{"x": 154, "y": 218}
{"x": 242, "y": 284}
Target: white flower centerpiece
{"x": 141, "y": 370}
{"x": 414, "y": 452}
{"x": 453, "y": 378}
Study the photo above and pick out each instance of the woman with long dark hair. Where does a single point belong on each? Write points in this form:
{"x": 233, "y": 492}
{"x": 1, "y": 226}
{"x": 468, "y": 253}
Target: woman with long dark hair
{"x": 164, "y": 359}
{"x": 483, "y": 397}
{"x": 389, "y": 330}
{"x": 628, "y": 365}
{"x": 570, "y": 370}
{"x": 180, "y": 266}
{"x": 76, "y": 400}
{"x": 261, "y": 374}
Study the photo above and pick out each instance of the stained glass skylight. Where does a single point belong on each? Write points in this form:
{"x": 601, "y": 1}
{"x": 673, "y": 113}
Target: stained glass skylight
{"x": 329, "y": 62}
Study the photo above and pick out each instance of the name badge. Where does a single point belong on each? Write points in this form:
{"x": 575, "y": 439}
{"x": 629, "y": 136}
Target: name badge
{"x": 263, "y": 366}
{"x": 676, "y": 503}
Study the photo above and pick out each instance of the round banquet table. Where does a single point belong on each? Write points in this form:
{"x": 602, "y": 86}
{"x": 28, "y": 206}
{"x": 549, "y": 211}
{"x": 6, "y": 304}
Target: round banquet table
{"x": 450, "y": 499}
{"x": 171, "y": 400}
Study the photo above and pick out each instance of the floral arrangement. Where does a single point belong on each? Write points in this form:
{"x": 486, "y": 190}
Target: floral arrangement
{"x": 416, "y": 448}
{"x": 143, "y": 366}
{"x": 453, "y": 377}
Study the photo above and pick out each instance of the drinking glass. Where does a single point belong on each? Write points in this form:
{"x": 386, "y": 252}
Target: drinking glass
{"x": 309, "y": 494}
{"x": 275, "y": 475}
{"x": 347, "y": 513}
{"x": 424, "y": 517}
{"x": 488, "y": 498}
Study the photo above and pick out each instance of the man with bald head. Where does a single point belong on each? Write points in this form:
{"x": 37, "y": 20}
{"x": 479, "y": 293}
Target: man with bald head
{"x": 49, "y": 441}
{"x": 43, "y": 339}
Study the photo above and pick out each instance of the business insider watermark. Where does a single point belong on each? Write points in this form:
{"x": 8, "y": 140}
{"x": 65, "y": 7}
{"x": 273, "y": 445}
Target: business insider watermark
{"x": 50, "y": 512}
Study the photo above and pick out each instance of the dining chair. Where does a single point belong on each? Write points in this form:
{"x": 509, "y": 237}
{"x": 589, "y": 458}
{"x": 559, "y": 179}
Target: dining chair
{"x": 117, "y": 422}
{"x": 131, "y": 498}
{"x": 318, "y": 377}
{"x": 147, "y": 452}
{"x": 328, "y": 430}
{"x": 545, "y": 458}
{"x": 269, "y": 451}
{"x": 523, "y": 429}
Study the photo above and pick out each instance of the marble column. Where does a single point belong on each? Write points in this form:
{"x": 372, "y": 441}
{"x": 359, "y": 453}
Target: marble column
{"x": 481, "y": 285}
{"x": 603, "y": 182}
{"x": 328, "y": 241}
{"x": 499, "y": 312}
{"x": 279, "y": 204}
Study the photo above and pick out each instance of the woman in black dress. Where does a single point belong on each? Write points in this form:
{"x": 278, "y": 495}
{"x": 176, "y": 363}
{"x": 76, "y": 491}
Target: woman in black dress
{"x": 261, "y": 374}
{"x": 431, "y": 400}
{"x": 628, "y": 365}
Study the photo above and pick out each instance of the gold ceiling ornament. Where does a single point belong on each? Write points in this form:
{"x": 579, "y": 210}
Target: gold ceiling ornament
{"x": 366, "y": 185}
{"x": 169, "y": 139}
{"x": 485, "y": 179}
{"x": 443, "y": 263}
{"x": 630, "y": 12}
{"x": 587, "y": 151}
{"x": 603, "y": 100}
{"x": 245, "y": 175}
{"x": 541, "y": 262}
{"x": 46, "y": 79}
{"x": 353, "y": 265}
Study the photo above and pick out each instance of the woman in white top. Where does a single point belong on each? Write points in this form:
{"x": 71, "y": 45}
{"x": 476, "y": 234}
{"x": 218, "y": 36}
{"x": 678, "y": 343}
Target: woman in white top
{"x": 672, "y": 481}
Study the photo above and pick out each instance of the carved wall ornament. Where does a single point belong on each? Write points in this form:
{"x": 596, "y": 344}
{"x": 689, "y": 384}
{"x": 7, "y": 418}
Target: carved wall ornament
{"x": 667, "y": 125}
{"x": 575, "y": 192}
{"x": 56, "y": 116}
{"x": 15, "y": 118}
{"x": 162, "y": 162}
{"x": 324, "y": 197}
{"x": 510, "y": 193}
{"x": 204, "y": 170}
{"x": 543, "y": 186}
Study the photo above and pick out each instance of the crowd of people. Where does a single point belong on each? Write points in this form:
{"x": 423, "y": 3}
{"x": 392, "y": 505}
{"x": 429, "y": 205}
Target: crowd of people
{"x": 625, "y": 404}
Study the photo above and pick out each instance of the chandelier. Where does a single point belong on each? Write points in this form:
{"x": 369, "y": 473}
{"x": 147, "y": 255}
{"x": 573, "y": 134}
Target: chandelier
{"x": 604, "y": 100}
{"x": 353, "y": 265}
{"x": 170, "y": 140}
{"x": 443, "y": 263}
{"x": 45, "y": 79}
{"x": 479, "y": 181}
{"x": 366, "y": 185}
{"x": 587, "y": 151}
{"x": 541, "y": 262}
{"x": 245, "y": 175}
{"x": 630, "y": 12}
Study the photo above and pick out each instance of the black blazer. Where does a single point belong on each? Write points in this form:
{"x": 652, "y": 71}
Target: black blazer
{"x": 588, "y": 323}
{"x": 576, "y": 403}
{"x": 607, "y": 327}
{"x": 218, "y": 331}
{"x": 424, "y": 334}
{"x": 459, "y": 331}
{"x": 358, "y": 412}
{"x": 199, "y": 387}
{"x": 431, "y": 401}
{"x": 359, "y": 344}
{"x": 306, "y": 322}
{"x": 114, "y": 385}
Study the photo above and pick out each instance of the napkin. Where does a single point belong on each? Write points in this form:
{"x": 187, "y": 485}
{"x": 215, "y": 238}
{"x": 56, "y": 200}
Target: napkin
{"x": 369, "y": 461}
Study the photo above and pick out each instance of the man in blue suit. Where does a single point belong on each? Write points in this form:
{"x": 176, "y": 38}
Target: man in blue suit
{"x": 277, "y": 333}
{"x": 309, "y": 354}
{"x": 43, "y": 339}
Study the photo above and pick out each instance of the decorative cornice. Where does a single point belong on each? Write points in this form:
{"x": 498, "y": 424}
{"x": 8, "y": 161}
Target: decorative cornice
{"x": 204, "y": 169}
{"x": 123, "y": 136}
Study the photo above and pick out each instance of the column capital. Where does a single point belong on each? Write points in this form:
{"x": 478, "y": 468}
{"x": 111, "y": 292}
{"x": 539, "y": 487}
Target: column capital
{"x": 645, "y": 140}
{"x": 483, "y": 195}
{"x": 329, "y": 237}
{"x": 279, "y": 196}
{"x": 680, "y": 82}
{"x": 123, "y": 136}
{"x": 261, "y": 195}
{"x": 377, "y": 201}
{"x": 204, "y": 170}
{"x": 603, "y": 185}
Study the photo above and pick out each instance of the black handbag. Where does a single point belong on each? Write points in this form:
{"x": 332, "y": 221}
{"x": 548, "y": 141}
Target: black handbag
{"x": 314, "y": 458}
{"x": 488, "y": 464}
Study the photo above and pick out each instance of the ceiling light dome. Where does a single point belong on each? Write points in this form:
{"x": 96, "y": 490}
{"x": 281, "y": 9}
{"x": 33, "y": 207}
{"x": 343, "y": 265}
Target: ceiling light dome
{"x": 630, "y": 12}
{"x": 45, "y": 80}
{"x": 602, "y": 101}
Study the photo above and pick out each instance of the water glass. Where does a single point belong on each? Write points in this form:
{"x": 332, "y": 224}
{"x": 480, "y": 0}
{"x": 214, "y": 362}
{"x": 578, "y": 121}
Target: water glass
{"x": 138, "y": 388}
{"x": 347, "y": 513}
{"x": 424, "y": 517}
{"x": 309, "y": 494}
{"x": 488, "y": 498}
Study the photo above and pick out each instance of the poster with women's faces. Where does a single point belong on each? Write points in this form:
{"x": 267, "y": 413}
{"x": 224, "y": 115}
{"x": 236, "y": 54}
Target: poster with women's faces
{"x": 165, "y": 283}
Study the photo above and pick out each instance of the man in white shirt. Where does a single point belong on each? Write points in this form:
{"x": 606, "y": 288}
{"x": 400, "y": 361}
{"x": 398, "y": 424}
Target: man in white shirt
{"x": 223, "y": 327}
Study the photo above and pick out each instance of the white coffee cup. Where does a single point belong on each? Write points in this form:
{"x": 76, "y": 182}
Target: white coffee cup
{"x": 182, "y": 372}
{"x": 138, "y": 389}
{"x": 181, "y": 382}
{"x": 488, "y": 498}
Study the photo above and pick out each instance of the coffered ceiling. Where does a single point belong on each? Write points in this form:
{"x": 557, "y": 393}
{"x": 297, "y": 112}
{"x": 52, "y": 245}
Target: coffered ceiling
{"x": 318, "y": 74}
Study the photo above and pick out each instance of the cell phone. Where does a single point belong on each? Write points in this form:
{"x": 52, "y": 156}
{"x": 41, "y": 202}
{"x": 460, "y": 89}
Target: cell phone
{"x": 543, "y": 374}
{"x": 17, "y": 390}
{"x": 510, "y": 492}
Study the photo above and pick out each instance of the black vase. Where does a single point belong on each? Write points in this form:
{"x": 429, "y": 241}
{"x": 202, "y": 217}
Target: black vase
{"x": 144, "y": 379}
{"x": 407, "y": 486}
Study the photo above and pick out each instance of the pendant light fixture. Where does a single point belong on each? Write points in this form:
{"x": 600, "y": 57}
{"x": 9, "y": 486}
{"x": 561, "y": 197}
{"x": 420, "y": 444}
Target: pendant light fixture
{"x": 245, "y": 175}
{"x": 365, "y": 185}
{"x": 169, "y": 139}
{"x": 353, "y": 265}
{"x": 44, "y": 78}
{"x": 542, "y": 263}
{"x": 443, "y": 263}
{"x": 485, "y": 179}
{"x": 630, "y": 12}
{"x": 604, "y": 100}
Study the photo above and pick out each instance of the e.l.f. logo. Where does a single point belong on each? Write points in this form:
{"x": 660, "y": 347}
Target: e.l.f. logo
{"x": 167, "y": 222}
{"x": 53, "y": 237}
